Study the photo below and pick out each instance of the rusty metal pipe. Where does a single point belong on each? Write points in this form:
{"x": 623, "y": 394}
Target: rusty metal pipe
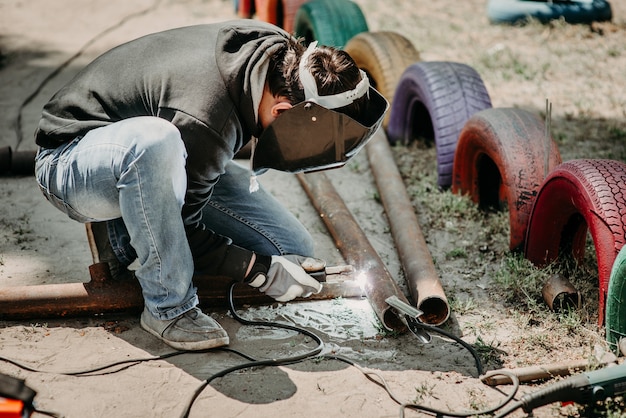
{"x": 355, "y": 247}
{"x": 17, "y": 162}
{"x": 560, "y": 294}
{"x": 5, "y": 160}
{"x": 23, "y": 163}
{"x": 105, "y": 295}
{"x": 100, "y": 295}
{"x": 422, "y": 279}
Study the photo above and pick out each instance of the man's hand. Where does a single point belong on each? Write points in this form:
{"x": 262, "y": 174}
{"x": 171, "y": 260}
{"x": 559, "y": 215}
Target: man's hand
{"x": 286, "y": 278}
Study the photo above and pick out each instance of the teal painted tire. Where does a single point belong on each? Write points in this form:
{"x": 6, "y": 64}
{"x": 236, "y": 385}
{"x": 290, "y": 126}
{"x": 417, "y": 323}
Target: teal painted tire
{"x": 330, "y": 22}
{"x": 572, "y": 11}
{"x": 616, "y": 301}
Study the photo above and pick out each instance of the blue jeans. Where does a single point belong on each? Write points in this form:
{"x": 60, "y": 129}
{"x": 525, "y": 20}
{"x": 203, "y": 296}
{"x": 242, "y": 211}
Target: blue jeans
{"x": 132, "y": 173}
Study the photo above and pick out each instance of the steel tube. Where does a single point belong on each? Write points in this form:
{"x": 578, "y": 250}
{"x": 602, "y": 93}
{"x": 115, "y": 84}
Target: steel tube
{"x": 17, "y": 162}
{"x": 422, "y": 279}
{"x": 355, "y": 247}
{"x": 100, "y": 295}
{"x": 560, "y": 294}
{"x": 23, "y": 163}
{"x": 105, "y": 295}
{"x": 5, "y": 160}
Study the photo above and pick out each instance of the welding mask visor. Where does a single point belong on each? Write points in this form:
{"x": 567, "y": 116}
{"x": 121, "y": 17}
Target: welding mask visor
{"x": 309, "y": 137}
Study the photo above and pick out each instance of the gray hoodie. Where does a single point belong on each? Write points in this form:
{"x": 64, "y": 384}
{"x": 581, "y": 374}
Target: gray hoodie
{"x": 207, "y": 80}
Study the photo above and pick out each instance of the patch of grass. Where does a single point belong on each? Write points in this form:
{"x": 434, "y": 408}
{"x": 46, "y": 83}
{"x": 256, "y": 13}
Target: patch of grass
{"x": 462, "y": 306}
{"x": 519, "y": 281}
{"x": 423, "y": 391}
{"x": 489, "y": 352}
{"x": 509, "y": 64}
{"x": 456, "y": 253}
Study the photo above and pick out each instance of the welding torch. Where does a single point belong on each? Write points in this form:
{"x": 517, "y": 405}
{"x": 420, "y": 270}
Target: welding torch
{"x": 331, "y": 273}
{"x": 584, "y": 388}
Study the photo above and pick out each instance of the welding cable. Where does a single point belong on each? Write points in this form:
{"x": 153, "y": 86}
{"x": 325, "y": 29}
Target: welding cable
{"x": 488, "y": 411}
{"x": 92, "y": 372}
{"x": 479, "y": 368}
{"x": 473, "y": 352}
{"x": 378, "y": 379}
{"x": 314, "y": 353}
{"x": 257, "y": 363}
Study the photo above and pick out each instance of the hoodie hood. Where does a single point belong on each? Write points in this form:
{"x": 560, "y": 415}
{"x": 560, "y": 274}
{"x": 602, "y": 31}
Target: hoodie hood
{"x": 245, "y": 56}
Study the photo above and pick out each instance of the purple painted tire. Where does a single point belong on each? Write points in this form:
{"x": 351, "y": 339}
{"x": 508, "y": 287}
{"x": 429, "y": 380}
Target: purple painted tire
{"x": 433, "y": 100}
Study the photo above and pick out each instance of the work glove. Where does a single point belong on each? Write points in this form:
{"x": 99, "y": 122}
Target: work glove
{"x": 285, "y": 278}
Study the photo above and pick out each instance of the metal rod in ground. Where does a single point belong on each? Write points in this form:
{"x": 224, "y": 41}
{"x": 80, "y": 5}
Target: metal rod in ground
{"x": 545, "y": 371}
{"x": 355, "y": 247}
{"x": 421, "y": 276}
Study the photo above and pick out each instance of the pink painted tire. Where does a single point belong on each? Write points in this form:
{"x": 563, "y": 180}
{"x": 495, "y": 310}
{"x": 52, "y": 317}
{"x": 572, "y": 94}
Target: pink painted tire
{"x": 500, "y": 161}
{"x": 576, "y": 197}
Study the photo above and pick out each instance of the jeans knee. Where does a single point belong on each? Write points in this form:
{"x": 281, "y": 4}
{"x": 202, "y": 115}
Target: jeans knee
{"x": 159, "y": 142}
{"x": 161, "y": 137}
{"x": 157, "y": 148}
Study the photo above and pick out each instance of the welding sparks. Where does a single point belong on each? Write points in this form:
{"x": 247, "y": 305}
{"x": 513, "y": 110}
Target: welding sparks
{"x": 361, "y": 279}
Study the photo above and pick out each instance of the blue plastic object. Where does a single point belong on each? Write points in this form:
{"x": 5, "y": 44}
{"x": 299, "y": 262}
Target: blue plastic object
{"x": 572, "y": 11}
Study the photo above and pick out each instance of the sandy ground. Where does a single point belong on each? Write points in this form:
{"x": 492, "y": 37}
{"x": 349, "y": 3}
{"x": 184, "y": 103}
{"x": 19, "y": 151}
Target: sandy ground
{"x": 39, "y": 246}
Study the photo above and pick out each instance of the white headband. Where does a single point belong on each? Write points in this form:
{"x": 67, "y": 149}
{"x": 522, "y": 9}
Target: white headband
{"x": 332, "y": 101}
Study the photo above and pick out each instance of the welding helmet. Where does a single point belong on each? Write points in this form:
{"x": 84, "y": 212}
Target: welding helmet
{"x": 311, "y": 136}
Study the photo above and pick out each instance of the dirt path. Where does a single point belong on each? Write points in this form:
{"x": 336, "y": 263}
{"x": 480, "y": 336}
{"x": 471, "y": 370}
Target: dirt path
{"x": 581, "y": 71}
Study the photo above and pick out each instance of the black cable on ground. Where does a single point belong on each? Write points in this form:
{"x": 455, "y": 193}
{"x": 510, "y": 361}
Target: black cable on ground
{"x": 372, "y": 376}
{"x": 257, "y": 363}
{"x": 474, "y": 353}
{"x": 375, "y": 377}
{"x": 90, "y": 372}
{"x": 380, "y": 381}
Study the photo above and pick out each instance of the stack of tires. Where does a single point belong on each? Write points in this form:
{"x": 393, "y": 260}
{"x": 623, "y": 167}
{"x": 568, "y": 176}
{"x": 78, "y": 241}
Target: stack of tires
{"x": 503, "y": 158}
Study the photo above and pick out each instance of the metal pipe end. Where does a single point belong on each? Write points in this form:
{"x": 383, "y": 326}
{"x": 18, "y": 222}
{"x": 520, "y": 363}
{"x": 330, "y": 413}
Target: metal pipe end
{"x": 436, "y": 310}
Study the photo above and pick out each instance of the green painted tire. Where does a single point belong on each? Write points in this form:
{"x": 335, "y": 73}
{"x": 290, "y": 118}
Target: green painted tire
{"x": 616, "y": 301}
{"x": 330, "y": 22}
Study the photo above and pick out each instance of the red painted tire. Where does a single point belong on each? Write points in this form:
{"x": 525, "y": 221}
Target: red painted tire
{"x": 245, "y": 9}
{"x": 577, "y": 196}
{"x": 281, "y": 13}
{"x": 290, "y": 8}
{"x": 267, "y": 11}
{"x": 433, "y": 100}
{"x": 500, "y": 162}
